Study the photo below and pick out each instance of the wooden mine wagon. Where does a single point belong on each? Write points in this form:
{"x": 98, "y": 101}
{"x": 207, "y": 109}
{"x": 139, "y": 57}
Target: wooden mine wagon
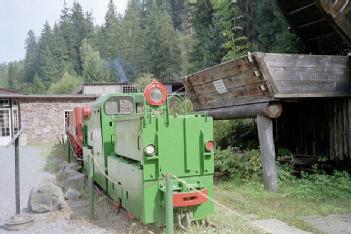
{"x": 300, "y": 102}
{"x": 257, "y": 83}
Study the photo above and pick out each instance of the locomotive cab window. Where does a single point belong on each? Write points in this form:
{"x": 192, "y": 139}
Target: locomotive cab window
{"x": 119, "y": 105}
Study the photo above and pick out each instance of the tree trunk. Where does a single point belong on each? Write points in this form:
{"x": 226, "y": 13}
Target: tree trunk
{"x": 265, "y": 135}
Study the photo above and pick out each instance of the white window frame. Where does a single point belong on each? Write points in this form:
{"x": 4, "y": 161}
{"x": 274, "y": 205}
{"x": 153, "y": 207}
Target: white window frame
{"x": 3, "y": 103}
{"x": 64, "y": 120}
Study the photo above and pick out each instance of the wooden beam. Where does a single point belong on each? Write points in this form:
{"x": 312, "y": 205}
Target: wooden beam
{"x": 271, "y": 110}
{"x": 265, "y": 135}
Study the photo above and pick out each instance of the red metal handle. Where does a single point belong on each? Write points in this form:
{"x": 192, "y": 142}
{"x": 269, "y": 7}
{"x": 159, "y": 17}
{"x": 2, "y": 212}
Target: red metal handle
{"x": 190, "y": 198}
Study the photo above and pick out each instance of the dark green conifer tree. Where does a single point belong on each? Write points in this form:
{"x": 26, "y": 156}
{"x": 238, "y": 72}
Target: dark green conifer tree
{"x": 31, "y": 57}
{"x": 161, "y": 43}
{"x": 207, "y": 45}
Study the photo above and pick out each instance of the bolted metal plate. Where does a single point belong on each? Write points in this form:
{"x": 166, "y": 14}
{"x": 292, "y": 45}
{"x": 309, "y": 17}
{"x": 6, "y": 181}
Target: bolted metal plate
{"x": 220, "y": 86}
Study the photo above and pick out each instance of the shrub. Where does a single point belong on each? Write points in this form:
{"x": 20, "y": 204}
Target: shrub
{"x": 319, "y": 186}
{"x": 180, "y": 105}
{"x": 241, "y": 134}
{"x": 143, "y": 80}
{"x": 233, "y": 164}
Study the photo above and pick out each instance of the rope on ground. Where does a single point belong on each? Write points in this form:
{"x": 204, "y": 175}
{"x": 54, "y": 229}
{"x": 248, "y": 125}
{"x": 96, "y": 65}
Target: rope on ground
{"x": 213, "y": 200}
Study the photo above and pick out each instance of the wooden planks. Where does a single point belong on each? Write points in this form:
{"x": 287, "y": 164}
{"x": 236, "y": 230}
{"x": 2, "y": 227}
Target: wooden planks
{"x": 340, "y": 13}
{"x": 308, "y": 74}
{"x": 237, "y": 82}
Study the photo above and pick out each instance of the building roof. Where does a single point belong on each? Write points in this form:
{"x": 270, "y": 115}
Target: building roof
{"x": 8, "y": 91}
{"x": 79, "y": 90}
{"x": 49, "y": 96}
{"x": 125, "y": 83}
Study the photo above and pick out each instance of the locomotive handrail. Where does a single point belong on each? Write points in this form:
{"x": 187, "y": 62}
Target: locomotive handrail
{"x": 15, "y": 137}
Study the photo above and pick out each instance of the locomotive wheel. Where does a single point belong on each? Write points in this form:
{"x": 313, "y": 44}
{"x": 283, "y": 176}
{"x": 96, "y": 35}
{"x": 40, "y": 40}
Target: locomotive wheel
{"x": 130, "y": 215}
{"x": 118, "y": 203}
{"x": 184, "y": 220}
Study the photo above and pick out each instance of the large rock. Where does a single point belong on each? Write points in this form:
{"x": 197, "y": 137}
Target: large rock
{"x": 76, "y": 181}
{"x": 47, "y": 197}
{"x": 72, "y": 194}
{"x": 67, "y": 170}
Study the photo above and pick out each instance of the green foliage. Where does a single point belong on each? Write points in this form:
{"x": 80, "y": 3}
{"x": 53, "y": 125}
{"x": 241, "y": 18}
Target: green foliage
{"x": 234, "y": 164}
{"x": 161, "y": 43}
{"x": 95, "y": 69}
{"x": 235, "y": 43}
{"x": 166, "y": 38}
{"x": 316, "y": 184}
{"x": 241, "y": 134}
{"x": 207, "y": 42}
{"x": 180, "y": 105}
{"x": 178, "y": 11}
{"x": 15, "y": 74}
{"x": 267, "y": 28}
{"x": 36, "y": 87}
{"x": 30, "y": 61}
{"x": 66, "y": 84}
{"x": 143, "y": 80}
{"x": 3, "y": 75}
{"x": 132, "y": 41}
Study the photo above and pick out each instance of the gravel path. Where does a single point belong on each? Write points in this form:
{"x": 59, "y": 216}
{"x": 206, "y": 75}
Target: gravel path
{"x": 32, "y": 162}
{"x": 73, "y": 218}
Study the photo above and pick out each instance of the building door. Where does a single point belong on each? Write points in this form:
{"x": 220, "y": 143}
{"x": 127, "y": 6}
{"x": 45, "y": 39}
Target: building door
{"x": 5, "y": 126}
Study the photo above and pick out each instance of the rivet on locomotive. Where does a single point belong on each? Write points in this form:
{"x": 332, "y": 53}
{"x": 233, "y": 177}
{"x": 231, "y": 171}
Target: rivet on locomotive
{"x": 137, "y": 139}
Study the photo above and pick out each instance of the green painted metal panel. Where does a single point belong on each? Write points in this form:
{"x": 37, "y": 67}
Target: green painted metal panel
{"x": 128, "y": 139}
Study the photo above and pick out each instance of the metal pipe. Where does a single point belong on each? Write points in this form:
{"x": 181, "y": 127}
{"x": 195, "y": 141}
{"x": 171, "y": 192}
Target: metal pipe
{"x": 169, "y": 204}
{"x": 69, "y": 151}
{"x": 90, "y": 187}
{"x": 17, "y": 177}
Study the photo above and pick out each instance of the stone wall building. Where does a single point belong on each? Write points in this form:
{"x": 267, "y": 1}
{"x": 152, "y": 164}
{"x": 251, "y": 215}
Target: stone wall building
{"x": 43, "y": 117}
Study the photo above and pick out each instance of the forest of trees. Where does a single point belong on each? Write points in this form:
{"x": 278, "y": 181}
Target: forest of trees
{"x": 162, "y": 38}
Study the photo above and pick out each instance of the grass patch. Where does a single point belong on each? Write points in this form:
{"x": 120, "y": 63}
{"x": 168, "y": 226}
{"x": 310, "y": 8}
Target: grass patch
{"x": 316, "y": 194}
{"x": 56, "y": 154}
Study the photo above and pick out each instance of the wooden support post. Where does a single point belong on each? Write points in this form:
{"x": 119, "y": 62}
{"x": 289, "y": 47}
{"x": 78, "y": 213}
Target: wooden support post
{"x": 265, "y": 135}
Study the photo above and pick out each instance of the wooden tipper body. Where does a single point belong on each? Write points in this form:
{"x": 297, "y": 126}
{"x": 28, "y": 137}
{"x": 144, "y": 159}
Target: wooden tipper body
{"x": 254, "y": 84}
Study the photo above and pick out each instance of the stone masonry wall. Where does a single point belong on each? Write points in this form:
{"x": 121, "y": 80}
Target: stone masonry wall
{"x": 43, "y": 119}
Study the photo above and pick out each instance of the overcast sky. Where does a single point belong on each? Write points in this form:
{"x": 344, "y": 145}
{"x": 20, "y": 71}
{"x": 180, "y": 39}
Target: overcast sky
{"x": 17, "y": 17}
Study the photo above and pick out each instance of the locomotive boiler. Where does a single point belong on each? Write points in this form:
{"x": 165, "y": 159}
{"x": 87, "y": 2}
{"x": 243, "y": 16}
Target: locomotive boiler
{"x": 135, "y": 140}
